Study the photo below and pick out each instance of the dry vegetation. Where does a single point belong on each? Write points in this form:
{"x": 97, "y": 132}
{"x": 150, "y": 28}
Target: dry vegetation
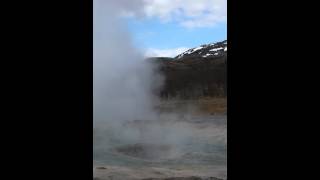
{"x": 212, "y": 106}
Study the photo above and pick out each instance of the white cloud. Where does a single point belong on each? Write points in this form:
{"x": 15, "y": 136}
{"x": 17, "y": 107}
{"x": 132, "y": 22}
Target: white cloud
{"x": 165, "y": 52}
{"x": 188, "y": 13}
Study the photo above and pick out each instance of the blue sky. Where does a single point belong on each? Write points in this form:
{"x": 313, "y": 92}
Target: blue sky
{"x": 169, "y": 27}
{"x": 152, "y": 33}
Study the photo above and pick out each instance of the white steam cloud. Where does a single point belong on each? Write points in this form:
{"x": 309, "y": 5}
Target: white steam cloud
{"x": 122, "y": 80}
{"x": 123, "y": 84}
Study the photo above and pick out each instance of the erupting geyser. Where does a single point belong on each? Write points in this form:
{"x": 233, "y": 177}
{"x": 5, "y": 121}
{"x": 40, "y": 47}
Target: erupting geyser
{"x": 123, "y": 82}
{"x": 128, "y": 132}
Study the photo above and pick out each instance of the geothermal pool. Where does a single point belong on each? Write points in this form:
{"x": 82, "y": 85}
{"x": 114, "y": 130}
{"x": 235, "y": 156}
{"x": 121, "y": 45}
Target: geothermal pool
{"x": 162, "y": 148}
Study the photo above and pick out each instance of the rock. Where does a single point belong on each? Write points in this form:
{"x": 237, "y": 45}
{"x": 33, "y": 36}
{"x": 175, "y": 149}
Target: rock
{"x": 185, "y": 178}
{"x": 145, "y": 151}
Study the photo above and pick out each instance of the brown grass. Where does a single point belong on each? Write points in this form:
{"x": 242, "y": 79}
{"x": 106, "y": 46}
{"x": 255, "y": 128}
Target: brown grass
{"x": 212, "y": 105}
{"x": 198, "y": 106}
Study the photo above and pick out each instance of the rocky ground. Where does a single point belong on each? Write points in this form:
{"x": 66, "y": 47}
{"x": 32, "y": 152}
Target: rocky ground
{"x": 152, "y": 173}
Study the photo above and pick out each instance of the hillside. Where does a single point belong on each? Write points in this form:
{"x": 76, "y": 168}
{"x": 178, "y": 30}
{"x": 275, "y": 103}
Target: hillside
{"x": 198, "y": 72}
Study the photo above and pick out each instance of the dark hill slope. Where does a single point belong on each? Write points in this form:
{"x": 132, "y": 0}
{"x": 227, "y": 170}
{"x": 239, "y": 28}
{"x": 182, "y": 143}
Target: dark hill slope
{"x": 198, "y": 72}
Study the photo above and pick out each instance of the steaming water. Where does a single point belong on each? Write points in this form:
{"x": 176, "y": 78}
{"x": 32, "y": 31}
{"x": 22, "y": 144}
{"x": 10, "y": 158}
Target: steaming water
{"x": 202, "y": 146}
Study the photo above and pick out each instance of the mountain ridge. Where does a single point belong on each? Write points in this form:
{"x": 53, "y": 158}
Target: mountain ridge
{"x": 194, "y": 74}
{"x": 216, "y": 49}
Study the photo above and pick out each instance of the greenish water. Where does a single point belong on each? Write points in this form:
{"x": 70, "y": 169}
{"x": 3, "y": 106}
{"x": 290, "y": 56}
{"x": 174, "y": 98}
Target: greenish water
{"x": 194, "y": 151}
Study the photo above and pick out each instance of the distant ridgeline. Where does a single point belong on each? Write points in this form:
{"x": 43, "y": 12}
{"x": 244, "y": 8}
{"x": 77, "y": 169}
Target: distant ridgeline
{"x": 198, "y": 72}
